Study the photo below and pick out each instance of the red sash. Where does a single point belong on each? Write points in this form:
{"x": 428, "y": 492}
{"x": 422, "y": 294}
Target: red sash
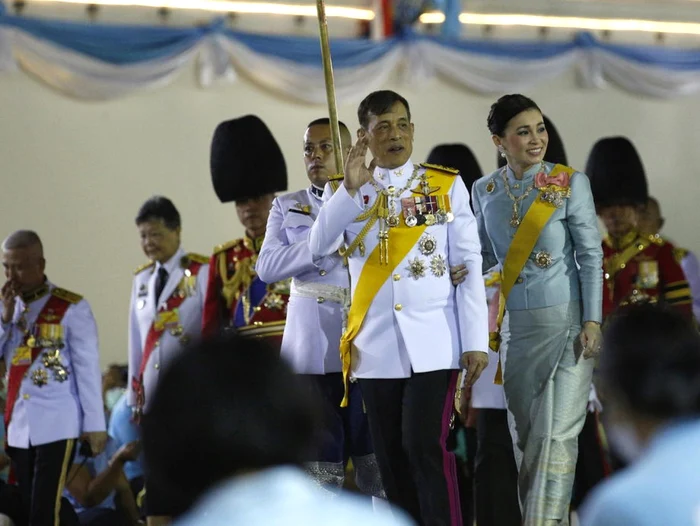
{"x": 158, "y": 327}
{"x": 52, "y": 314}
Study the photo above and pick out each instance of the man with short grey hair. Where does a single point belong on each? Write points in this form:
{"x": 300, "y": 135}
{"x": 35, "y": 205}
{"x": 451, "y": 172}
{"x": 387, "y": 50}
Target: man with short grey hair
{"x": 48, "y": 339}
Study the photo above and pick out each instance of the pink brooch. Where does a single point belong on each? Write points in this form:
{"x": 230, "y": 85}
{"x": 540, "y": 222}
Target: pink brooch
{"x": 553, "y": 189}
{"x": 561, "y": 180}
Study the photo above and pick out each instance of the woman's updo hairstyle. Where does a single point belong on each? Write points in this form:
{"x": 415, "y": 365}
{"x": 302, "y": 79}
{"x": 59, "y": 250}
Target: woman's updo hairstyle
{"x": 505, "y": 108}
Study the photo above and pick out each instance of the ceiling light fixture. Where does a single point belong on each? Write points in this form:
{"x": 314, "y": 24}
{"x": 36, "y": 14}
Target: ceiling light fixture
{"x": 568, "y": 22}
{"x": 227, "y": 6}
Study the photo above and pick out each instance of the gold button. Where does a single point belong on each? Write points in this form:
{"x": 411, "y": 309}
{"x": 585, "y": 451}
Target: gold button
{"x": 320, "y": 299}
{"x": 640, "y": 247}
{"x": 398, "y": 307}
{"x": 397, "y": 277}
{"x": 519, "y": 280}
{"x": 157, "y": 366}
{"x": 258, "y": 308}
{"x": 25, "y": 396}
{"x": 322, "y": 272}
{"x": 622, "y": 265}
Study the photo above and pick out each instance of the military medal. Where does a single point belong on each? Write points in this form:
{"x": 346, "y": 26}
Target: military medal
{"x": 40, "y": 377}
{"x": 60, "y": 374}
{"x": 52, "y": 359}
{"x": 411, "y": 221}
{"x": 429, "y": 219}
{"x": 427, "y": 244}
{"x": 438, "y": 265}
{"x": 392, "y": 220}
{"x": 416, "y": 268}
{"x": 648, "y": 277}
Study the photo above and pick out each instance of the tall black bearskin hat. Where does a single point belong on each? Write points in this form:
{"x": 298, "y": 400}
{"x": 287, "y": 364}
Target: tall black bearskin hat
{"x": 246, "y": 160}
{"x": 616, "y": 173}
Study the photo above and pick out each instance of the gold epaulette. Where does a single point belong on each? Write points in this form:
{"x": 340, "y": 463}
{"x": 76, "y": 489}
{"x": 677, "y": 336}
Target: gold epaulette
{"x": 143, "y": 267}
{"x": 679, "y": 254}
{"x": 70, "y": 297}
{"x": 657, "y": 239}
{"x": 446, "y": 169}
{"x": 197, "y": 258}
{"x": 226, "y": 246}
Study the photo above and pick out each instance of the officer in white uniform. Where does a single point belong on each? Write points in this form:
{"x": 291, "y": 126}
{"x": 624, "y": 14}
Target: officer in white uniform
{"x": 165, "y": 314}
{"x": 409, "y": 330}
{"x": 315, "y": 316}
{"x": 48, "y": 340}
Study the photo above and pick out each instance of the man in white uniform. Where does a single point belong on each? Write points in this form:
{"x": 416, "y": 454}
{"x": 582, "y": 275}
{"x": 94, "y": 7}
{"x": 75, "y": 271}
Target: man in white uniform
{"x": 315, "y": 317}
{"x": 409, "y": 330}
{"x": 167, "y": 299}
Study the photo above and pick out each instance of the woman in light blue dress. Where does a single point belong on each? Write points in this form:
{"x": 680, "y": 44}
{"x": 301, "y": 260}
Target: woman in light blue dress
{"x": 537, "y": 221}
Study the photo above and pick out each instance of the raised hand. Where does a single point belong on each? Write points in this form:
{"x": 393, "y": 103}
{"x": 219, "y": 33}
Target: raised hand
{"x": 9, "y": 291}
{"x": 356, "y": 172}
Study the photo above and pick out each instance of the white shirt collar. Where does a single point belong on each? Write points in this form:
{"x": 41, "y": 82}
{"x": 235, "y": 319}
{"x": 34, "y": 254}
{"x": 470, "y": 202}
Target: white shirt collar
{"x": 316, "y": 192}
{"x": 173, "y": 263}
{"x": 402, "y": 173}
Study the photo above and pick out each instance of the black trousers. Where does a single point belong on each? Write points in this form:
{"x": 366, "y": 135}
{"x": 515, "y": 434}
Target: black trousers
{"x": 41, "y": 476}
{"x": 495, "y": 472}
{"x": 593, "y": 464}
{"x": 410, "y": 423}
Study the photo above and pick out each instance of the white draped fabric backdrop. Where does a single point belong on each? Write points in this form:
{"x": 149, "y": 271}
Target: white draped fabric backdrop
{"x": 219, "y": 56}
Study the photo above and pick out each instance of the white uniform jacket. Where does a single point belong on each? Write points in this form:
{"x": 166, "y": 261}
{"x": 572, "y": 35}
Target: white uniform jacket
{"x": 417, "y": 322}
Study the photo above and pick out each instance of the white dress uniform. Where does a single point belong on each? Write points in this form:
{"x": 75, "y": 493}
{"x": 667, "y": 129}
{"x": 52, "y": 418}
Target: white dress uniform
{"x": 50, "y": 349}
{"x": 406, "y": 352}
{"x": 143, "y": 313}
{"x": 414, "y": 324}
{"x": 315, "y": 315}
{"x": 318, "y": 292}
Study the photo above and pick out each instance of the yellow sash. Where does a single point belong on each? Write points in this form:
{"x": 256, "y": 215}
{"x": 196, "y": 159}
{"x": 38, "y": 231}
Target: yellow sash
{"x": 521, "y": 247}
{"x": 401, "y": 239}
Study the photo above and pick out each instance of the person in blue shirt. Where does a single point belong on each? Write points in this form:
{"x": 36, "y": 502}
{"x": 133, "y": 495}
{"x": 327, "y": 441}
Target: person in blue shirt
{"x": 97, "y": 488}
{"x": 122, "y": 430}
{"x": 650, "y": 373}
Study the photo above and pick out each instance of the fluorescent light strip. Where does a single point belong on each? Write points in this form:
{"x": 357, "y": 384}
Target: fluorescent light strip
{"x": 568, "y": 22}
{"x": 226, "y": 6}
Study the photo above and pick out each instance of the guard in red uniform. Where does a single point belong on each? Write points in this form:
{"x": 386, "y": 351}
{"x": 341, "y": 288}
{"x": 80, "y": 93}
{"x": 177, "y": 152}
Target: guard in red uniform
{"x": 638, "y": 267}
{"x": 247, "y": 167}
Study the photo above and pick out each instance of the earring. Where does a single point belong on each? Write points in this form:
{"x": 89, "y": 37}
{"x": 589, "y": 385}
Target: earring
{"x": 503, "y": 152}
